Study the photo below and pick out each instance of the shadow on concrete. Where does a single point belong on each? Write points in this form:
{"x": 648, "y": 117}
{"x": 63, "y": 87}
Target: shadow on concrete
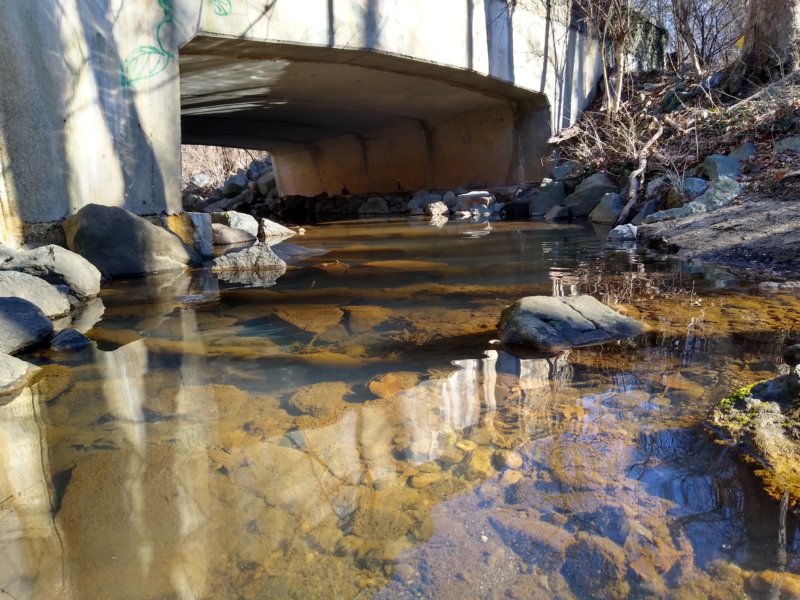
{"x": 500, "y": 38}
{"x": 135, "y": 155}
{"x": 33, "y": 80}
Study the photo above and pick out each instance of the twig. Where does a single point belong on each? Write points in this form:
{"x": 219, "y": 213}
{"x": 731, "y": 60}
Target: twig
{"x": 634, "y": 181}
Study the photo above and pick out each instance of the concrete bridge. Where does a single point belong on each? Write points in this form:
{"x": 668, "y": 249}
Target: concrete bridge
{"x": 371, "y": 95}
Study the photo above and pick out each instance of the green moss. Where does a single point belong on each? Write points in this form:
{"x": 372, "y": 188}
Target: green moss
{"x": 736, "y": 397}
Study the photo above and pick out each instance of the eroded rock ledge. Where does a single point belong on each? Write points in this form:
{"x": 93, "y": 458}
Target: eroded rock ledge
{"x": 763, "y": 422}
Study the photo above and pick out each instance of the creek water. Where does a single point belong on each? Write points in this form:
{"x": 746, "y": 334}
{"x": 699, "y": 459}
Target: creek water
{"x": 353, "y": 431}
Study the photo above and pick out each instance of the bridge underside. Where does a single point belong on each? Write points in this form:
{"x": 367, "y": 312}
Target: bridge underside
{"x": 358, "y": 119}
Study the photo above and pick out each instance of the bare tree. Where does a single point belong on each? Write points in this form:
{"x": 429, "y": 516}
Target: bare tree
{"x": 612, "y": 21}
{"x": 771, "y": 42}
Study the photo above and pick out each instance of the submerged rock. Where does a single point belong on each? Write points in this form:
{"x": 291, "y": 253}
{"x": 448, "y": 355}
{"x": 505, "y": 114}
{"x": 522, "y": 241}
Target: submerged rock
{"x": 118, "y": 242}
{"x": 553, "y": 324}
{"x": 321, "y": 400}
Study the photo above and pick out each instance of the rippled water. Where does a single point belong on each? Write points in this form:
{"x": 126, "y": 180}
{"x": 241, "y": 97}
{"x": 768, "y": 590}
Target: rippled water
{"x": 354, "y": 432}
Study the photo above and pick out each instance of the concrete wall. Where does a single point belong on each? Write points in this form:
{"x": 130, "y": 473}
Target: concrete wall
{"x": 90, "y": 104}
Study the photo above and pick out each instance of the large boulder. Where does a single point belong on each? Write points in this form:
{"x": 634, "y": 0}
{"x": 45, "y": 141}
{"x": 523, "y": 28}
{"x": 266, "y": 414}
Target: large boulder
{"x": 237, "y": 220}
{"x": 720, "y": 193}
{"x": 553, "y": 324}
{"x": 224, "y": 235}
{"x": 608, "y": 210}
{"x": 789, "y": 143}
{"x": 59, "y": 266}
{"x": 266, "y": 183}
{"x": 50, "y": 300}
{"x": 14, "y": 373}
{"x": 557, "y": 213}
{"x": 235, "y": 184}
{"x": 545, "y": 197}
{"x": 719, "y": 165}
{"x": 119, "y": 243}
{"x": 258, "y": 257}
{"x": 270, "y": 230}
{"x": 564, "y": 169}
{"x": 22, "y": 325}
{"x": 588, "y": 194}
{"x": 374, "y": 206}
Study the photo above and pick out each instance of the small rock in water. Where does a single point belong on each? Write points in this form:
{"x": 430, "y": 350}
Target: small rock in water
{"x": 69, "y": 340}
{"x": 225, "y": 236}
{"x": 511, "y": 477}
{"x": 791, "y": 356}
{"x": 623, "y": 233}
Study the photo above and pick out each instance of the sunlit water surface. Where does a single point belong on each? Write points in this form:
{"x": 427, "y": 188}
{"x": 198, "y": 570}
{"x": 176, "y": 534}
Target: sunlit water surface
{"x": 353, "y": 432}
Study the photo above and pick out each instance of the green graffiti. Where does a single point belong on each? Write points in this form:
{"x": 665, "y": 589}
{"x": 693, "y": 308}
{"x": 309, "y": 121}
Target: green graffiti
{"x": 149, "y": 60}
{"x": 221, "y": 8}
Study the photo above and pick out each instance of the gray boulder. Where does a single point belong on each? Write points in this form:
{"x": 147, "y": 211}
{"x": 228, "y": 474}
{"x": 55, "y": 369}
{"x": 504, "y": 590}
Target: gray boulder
{"x": 719, "y": 165}
{"x": 237, "y": 220}
{"x": 201, "y": 180}
{"x": 622, "y": 233}
{"x": 654, "y": 186}
{"x": 548, "y": 195}
{"x": 22, "y": 325}
{"x": 69, "y": 340}
{"x": 235, "y": 184}
{"x": 720, "y": 193}
{"x": 557, "y": 213}
{"x": 374, "y": 206}
{"x": 553, "y": 324}
{"x": 694, "y": 187}
{"x": 608, "y": 210}
{"x": 435, "y": 209}
{"x": 479, "y": 199}
{"x": 58, "y": 266}
{"x": 256, "y": 257}
{"x": 565, "y": 169}
{"x": 245, "y": 198}
{"x": 14, "y": 373}
{"x": 791, "y": 143}
{"x": 266, "y": 183}
{"x": 272, "y": 231}
{"x": 450, "y": 199}
{"x": 50, "y": 300}
{"x": 224, "y": 235}
{"x": 743, "y": 152}
{"x": 256, "y": 265}
{"x": 420, "y": 200}
{"x": 648, "y": 209}
{"x": 588, "y": 194}
{"x": 118, "y": 242}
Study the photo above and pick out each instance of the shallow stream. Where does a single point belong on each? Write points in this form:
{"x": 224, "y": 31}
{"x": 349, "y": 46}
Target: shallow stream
{"x": 352, "y": 431}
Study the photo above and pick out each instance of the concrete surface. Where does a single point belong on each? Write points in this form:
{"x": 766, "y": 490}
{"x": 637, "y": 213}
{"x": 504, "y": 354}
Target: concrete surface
{"x": 367, "y": 94}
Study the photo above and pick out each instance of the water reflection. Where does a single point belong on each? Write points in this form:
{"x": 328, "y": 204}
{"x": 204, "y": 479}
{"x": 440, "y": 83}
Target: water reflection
{"x": 221, "y": 444}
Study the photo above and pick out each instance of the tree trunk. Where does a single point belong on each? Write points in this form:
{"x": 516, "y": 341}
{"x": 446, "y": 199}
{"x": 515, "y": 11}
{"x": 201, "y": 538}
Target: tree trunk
{"x": 771, "y": 43}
